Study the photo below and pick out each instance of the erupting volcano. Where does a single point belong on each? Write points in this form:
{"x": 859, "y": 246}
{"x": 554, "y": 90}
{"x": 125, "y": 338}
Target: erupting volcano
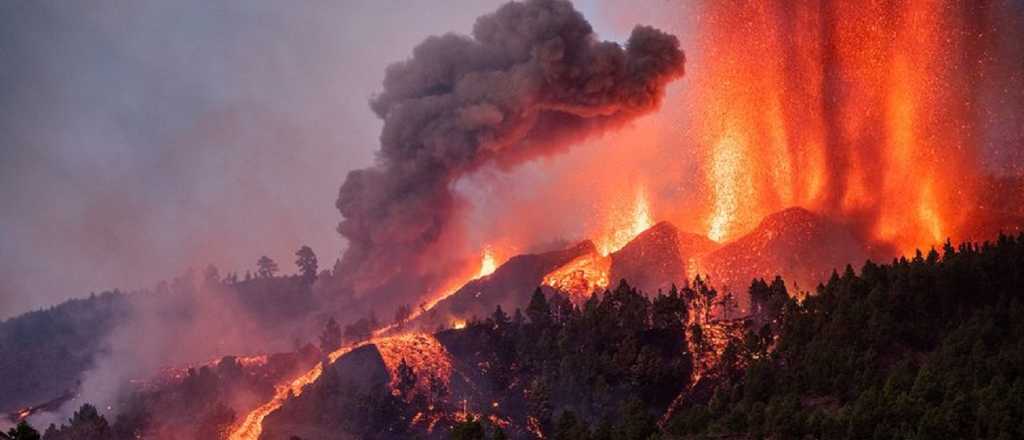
{"x": 574, "y": 238}
{"x": 874, "y": 113}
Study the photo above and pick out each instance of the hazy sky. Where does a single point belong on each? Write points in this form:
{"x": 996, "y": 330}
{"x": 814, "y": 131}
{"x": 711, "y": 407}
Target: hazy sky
{"x": 138, "y": 137}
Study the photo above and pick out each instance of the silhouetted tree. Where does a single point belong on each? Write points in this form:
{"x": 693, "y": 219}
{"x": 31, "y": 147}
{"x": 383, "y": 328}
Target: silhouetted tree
{"x": 469, "y": 429}
{"x": 21, "y": 432}
{"x": 330, "y": 338}
{"x": 85, "y": 424}
{"x": 499, "y": 317}
{"x": 406, "y": 378}
{"x": 307, "y": 263}
{"x": 538, "y": 310}
{"x": 266, "y": 268}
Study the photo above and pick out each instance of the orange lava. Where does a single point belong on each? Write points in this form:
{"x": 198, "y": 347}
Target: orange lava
{"x": 422, "y": 352}
{"x": 861, "y": 110}
{"x": 252, "y": 425}
{"x": 581, "y": 276}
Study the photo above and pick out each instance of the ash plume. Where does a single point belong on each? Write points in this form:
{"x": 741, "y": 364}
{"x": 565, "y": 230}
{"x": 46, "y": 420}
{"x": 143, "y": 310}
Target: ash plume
{"x": 532, "y": 79}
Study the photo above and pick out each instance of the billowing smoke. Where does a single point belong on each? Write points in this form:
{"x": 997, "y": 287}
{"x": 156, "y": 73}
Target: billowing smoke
{"x": 532, "y": 79}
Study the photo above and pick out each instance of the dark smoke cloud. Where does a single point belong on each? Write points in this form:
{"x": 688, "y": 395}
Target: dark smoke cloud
{"x": 532, "y": 79}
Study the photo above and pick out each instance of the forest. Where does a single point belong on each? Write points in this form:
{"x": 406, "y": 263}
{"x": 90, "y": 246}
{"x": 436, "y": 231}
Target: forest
{"x": 925, "y": 347}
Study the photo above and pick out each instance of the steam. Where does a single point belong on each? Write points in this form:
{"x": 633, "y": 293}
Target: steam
{"x": 532, "y": 79}
{"x": 187, "y": 322}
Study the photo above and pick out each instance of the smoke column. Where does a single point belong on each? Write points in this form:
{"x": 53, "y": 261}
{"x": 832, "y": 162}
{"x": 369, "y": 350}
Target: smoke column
{"x": 531, "y": 80}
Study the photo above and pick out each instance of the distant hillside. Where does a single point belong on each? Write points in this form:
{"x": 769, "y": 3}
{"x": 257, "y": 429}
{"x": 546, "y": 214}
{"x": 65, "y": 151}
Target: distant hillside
{"x": 44, "y": 354}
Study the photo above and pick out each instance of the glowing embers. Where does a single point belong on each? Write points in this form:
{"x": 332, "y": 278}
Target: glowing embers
{"x": 624, "y": 225}
{"x": 581, "y": 276}
{"x": 423, "y": 354}
{"x": 728, "y": 165}
{"x": 866, "y": 112}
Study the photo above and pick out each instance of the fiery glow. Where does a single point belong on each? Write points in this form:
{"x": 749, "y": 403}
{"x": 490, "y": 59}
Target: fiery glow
{"x": 858, "y": 110}
{"x": 581, "y": 276}
{"x": 626, "y": 225}
{"x": 487, "y": 263}
{"x": 252, "y": 425}
{"x": 727, "y": 165}
{"x": 422, "y": 352}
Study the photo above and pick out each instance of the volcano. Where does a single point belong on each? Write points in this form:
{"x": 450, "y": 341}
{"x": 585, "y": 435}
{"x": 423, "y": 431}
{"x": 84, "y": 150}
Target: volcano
{"x": 802, "y": 246}
{"x": 797, "y": 244}
{"x": 659, "y": 257}
{"x": 508, "y": 286}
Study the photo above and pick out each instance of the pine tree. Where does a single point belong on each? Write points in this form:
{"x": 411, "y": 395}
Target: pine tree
{"x": 307, "y": 263}
{"x": 538, "y": 310}
{"x": 330, "y": 338}
{"x": 266, "y": 268}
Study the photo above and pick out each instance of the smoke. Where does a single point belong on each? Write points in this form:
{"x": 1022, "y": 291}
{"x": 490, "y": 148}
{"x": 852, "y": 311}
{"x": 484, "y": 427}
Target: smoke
{"x": 188, "y": 322}
{"x": 531, "y": 80}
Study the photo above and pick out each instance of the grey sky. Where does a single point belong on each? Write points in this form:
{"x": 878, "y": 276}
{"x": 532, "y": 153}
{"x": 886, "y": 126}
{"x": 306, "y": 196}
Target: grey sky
{"x": 139, "y": 138}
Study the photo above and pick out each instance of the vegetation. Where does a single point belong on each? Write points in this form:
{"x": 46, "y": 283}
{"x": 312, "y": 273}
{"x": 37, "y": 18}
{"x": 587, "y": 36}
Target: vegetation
{"x": 924, "y": 347}
{"x": 307, "y": 264}
{"x": 929, "y": 347}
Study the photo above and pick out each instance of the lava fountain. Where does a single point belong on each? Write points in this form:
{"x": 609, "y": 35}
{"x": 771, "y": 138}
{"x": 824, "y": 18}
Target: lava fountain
{"x": 866, "y": 111}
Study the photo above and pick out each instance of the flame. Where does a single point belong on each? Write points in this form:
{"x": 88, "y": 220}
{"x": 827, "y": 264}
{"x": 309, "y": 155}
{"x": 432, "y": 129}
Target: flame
{"x": 859, "y": 110}
{"x": 581, "y": 276}
{"x": 488, "y": 264}
{"x": 626, "y": 225}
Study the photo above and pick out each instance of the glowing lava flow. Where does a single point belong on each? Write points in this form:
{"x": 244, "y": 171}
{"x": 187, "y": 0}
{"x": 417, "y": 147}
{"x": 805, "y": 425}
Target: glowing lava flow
{"x": 421, "y": 351}
{"x": 252, "y": 426}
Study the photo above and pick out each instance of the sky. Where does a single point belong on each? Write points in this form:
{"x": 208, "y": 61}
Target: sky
{"x": 141, "y": 138}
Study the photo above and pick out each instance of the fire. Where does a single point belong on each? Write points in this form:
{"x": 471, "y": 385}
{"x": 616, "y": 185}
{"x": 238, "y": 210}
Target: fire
{"x": 626, "y": 225}
{"x": 422, "y": 352}
{"x": 487, "y": 263}
{"x": 865, "y": 111}
{"x": 581, "y": 276}
{"x": 252, "y": 425}
{"x": 727, "y": 164}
